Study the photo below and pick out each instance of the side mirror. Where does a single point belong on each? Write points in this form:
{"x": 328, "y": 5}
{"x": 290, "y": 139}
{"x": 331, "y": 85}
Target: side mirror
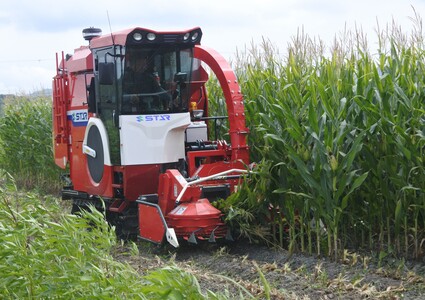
{"x": 106, "y": 73}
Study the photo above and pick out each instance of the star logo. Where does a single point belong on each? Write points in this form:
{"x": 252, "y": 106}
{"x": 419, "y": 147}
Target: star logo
{"x": 139, "y": 119}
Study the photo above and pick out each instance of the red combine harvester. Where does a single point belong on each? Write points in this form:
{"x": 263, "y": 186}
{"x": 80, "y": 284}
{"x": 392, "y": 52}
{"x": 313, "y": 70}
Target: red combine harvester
{"x": 130, "y": 119}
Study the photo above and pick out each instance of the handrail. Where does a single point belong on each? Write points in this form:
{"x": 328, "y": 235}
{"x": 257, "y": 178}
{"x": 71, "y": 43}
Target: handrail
{"x": 206, "y": 179}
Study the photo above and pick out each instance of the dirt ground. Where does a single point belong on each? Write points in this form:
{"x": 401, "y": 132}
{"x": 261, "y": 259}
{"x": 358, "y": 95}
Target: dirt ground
{"x": 235, "y": 270}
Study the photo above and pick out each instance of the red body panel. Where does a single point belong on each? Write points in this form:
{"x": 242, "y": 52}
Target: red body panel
{"x": 200, "y": 217}
{"x": 151, "y": 224}
{"x": 140, "y": 180}
{"x": 83, "y": 182}
{"x": 170, "y": 185}
{"x": 81, "y": 60}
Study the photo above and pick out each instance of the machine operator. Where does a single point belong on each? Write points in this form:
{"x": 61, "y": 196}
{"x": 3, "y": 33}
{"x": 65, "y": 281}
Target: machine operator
{"x": 144, "y": 92}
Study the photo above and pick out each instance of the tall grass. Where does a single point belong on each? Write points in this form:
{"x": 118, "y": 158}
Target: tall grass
{"x": 340, "y": 137}
{"x": 47, "y": 255}
{"x": 26, "y": 143}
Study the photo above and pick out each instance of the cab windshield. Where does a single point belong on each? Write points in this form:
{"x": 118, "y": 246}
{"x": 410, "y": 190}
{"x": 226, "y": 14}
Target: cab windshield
{"x": 156, "y": 80}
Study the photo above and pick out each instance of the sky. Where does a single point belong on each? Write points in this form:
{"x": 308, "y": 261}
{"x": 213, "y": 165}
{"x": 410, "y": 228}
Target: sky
{"x": 34, "y": 31}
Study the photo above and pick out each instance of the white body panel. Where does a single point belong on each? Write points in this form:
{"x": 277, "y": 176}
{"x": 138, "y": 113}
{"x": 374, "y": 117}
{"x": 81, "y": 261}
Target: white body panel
{"x": 152, "y": 139}
{"x": 105, "y": 140}
{"x": 197, "y": 131}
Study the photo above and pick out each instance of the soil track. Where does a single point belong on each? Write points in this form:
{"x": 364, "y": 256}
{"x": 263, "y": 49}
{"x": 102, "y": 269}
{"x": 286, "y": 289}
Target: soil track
{"x": 234, "y": 270}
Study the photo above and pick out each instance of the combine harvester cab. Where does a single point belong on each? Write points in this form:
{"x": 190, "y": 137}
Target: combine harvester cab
{"x": 130, "y": 120}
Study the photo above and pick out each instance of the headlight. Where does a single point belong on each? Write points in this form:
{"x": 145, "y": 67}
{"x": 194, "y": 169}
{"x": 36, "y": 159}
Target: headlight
{"x": 137, "y": 36}
{"x": 151, "y": 36}
{"x": 186, "y": 36}
{"x": 198, "y": 113}
{"x": 195, "y": 36}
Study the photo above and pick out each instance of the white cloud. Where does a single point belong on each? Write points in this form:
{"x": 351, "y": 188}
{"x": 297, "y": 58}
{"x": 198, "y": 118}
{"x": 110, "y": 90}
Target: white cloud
{"x": 34, "y": 31}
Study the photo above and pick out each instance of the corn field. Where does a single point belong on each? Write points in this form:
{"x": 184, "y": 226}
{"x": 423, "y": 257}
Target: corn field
{"x": 26, "y": 143}
{"x": 340, "y": 142}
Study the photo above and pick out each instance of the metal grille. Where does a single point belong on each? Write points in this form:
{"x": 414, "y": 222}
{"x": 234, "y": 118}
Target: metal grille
{"x": 170, "y": 38}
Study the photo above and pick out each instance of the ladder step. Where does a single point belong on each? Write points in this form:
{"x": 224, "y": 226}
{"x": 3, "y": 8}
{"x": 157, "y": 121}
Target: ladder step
{"x": 118, "y": 206}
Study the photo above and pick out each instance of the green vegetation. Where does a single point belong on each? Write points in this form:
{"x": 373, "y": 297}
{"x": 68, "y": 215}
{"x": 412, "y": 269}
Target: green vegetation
{"x": 26, "y": 143}
{"x": 340, "y": 142}
{"x": 47, "y": 254}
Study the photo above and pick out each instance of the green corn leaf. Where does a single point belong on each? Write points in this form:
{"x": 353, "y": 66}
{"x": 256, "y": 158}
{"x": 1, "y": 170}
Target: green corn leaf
{"x": 398, "y": 215}
{"x": 357, "y": 183}
{"x": 348, "y": 159}
{"x": 302, "y": 168}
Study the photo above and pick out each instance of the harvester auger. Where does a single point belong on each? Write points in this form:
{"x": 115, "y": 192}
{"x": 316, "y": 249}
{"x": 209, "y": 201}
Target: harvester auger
{"x": 131, "y": 121}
